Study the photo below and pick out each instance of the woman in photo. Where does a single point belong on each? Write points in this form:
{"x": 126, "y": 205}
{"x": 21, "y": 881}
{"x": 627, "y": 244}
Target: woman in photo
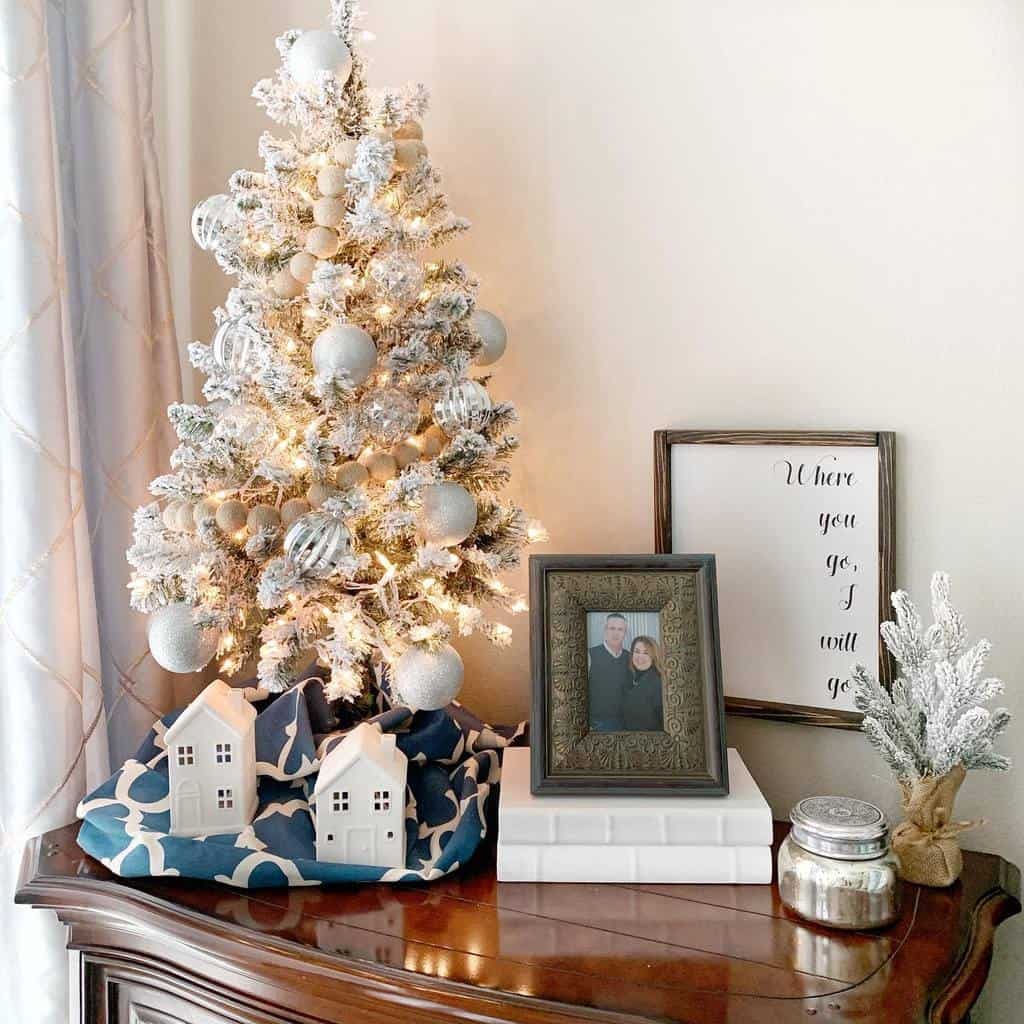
{"x": 641, "y": 701}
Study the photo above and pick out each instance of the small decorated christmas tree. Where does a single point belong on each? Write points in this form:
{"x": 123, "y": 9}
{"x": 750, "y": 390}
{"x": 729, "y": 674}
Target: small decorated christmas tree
{"x": 339, "y": 494}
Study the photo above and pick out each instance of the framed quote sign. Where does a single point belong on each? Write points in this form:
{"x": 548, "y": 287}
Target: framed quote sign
{"x": 801, "y": 526}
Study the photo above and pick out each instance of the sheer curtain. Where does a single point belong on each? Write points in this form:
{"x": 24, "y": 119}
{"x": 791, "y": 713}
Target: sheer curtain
{"x": 88, "y": 364}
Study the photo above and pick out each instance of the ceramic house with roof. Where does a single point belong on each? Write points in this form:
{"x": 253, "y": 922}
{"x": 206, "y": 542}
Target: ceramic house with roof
{"x": 211, "y": 763}
{"x": 360, "y": 801}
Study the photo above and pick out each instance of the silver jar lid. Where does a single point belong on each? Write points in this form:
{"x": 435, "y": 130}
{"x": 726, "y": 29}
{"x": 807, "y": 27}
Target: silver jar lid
{"x": 840, "y": 827}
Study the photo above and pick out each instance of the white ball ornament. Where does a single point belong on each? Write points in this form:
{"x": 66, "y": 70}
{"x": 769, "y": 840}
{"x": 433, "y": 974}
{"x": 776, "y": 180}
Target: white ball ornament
{"x": 329, "y": 211}
{"x": 170, "y": 515}
{"x": 315, "y": 51}
{"x": 345, "y": 349}
{"x": 448, "y": 514}
{"x": 428, "y": 680}
{"x": 331, "y": 180}
{"x": 318, "y": 493}
{"x": 263, "y": 517}
{"x": 409, "y": 130}
{"x": 285, "y": 286}
{"x": 492, "y": 334}
{"x": 185, "y": 523}
{"x": 205, "y": 511}
{"x": 292, "y": 509}
{"x": 345, "y": 152}
{"x": 381, "y": 466}
{"x": 232, "y": 516}
{"x": 302, "y": 265}
{"x": 405, "y": 453}
{"x": 351, "y": 474}
{"x": 176, "y": 642}
{"x": 323, "y": 242}
{"x": 408, "y": 153}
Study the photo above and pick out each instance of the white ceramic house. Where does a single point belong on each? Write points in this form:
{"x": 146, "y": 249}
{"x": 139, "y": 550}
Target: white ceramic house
{"x": 211, "y": 763}
{"x": 360, "y": 801}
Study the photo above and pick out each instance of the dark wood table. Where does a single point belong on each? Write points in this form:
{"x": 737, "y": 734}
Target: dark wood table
{"x": 467, "y": 948}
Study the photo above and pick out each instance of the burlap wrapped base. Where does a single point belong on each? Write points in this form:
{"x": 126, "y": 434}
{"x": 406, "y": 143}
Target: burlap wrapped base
{"x": 926, "y": 842}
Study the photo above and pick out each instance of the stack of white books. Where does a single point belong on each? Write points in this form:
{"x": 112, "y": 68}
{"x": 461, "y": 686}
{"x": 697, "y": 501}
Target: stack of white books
{"x": 596, "y": 838}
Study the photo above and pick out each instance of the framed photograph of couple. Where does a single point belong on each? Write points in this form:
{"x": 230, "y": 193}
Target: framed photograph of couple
{"x": 627, "y": 689}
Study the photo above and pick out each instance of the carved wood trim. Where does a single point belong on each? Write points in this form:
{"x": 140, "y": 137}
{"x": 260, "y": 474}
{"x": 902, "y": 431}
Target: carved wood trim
{"x": 953, "y": 1003}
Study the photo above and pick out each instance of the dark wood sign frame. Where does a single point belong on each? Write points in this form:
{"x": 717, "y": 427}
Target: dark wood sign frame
{"x": 689, "y": 754}
{"x": 883, "y": 441}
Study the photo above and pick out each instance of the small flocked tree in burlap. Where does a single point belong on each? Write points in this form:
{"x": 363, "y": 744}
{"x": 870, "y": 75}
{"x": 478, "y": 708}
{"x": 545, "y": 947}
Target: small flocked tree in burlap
{"x": 338, "y": 496}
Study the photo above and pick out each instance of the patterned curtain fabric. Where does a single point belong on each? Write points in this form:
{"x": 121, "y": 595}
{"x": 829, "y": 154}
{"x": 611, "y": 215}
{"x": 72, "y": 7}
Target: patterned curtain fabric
{"x": 88, "y": 363}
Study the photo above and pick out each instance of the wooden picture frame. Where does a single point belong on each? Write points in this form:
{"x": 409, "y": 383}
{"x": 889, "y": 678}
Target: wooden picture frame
{"x": 688, "y": 754}
{"x": 666, "y": 440}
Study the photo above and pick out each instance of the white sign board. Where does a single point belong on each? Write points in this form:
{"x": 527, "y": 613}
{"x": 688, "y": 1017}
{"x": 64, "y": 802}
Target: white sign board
{"x": 796, "y": 535}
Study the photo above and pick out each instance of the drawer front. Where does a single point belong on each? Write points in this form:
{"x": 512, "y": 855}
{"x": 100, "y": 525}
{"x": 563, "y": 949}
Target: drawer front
{"x": 114, "y": 993}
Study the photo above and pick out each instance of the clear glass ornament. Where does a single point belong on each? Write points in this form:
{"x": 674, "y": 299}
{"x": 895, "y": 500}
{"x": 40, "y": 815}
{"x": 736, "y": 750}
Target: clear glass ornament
{"x": 211, "y": 218}
{"x": 467, "y": 406}
{"x": 388, "y": 416}
{"x": 234, "y": 345}
{"x": 248, "y": 424}
{"x": 317, "y": 543}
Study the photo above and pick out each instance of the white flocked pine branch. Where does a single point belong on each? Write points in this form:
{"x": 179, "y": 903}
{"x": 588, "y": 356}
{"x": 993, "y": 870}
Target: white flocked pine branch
{"x": 934, "y": 717}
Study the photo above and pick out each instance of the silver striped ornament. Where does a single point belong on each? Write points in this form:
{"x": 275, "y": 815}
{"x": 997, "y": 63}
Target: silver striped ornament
{"x": 234, "y": 345}
{"x": 211, "y": 218}
{"x": 317, "y": 543}
{"x": 466, "y": 406}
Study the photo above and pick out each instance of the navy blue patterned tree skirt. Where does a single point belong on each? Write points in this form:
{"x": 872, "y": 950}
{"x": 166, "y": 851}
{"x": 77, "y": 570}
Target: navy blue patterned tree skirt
{"x": 454, "y": 764}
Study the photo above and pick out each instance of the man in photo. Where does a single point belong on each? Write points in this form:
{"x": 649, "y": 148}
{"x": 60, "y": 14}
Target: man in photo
{"x": 609, "y": 676}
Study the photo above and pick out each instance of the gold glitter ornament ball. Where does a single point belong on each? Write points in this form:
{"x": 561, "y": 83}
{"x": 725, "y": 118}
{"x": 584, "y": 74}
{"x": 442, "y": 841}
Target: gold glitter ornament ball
{"x": 428, "y": 680}
{"x": 176, "y": 642}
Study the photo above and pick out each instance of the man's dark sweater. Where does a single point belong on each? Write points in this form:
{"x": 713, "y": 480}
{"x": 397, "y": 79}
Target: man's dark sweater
{"x": 609, "y": 677}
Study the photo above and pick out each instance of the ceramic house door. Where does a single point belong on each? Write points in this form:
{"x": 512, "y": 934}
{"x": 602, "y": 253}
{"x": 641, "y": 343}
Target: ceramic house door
{"x": 359, "y": 846}
{"x": 186, "y": 805}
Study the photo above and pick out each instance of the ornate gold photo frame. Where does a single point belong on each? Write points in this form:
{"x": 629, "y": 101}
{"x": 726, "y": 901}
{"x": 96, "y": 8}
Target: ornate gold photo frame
{"x": 576, "y": 748}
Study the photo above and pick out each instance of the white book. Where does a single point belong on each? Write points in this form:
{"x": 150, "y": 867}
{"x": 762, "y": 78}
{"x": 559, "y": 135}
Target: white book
{"x": 743, "y": 818}
{"x": 696, "y": 865}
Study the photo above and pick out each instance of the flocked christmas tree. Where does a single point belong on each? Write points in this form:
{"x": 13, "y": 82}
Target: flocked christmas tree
{"x": 338, "y": 496}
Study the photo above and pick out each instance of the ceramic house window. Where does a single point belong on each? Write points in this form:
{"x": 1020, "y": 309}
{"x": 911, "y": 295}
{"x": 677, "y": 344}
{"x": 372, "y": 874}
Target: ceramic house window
{"x": 225, "y": 799}
{"x": 330, "y": 837}
{"x": 382, "y": 800}
{"x": 339, "y": 800}
{"x": 222, "y": 753}
{"x": 186, "y": 755}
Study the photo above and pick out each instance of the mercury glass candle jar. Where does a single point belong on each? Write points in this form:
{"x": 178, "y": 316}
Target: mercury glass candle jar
{"x": 836, "y": 866}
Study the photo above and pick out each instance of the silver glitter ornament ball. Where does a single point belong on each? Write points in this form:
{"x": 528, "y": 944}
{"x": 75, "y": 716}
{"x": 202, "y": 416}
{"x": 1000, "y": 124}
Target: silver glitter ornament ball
{"x": 388, "y": 416}
{"x": 315, "y": 51}
{"x": 234, "y": 345}
{"x": 345, "y": 350}
{"x": 211, "y": 218}
{"x": 176, "y": 642}
{"x": 492, "y": 334}
{"x": 467, "y": 406}
{"x": 317, "y": 543}
{"x": 428, "y": 680}
{"x": 448, "y": 514}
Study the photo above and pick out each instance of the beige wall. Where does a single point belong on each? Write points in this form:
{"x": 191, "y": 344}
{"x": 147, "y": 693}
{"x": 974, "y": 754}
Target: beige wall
{"x": 726, "y": 213}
